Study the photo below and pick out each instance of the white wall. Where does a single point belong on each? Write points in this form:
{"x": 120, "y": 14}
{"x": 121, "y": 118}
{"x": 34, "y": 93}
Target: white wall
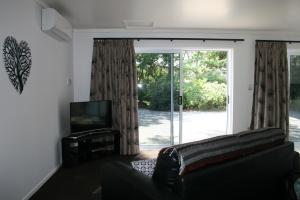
{"x": 31, "y": 124}
{"x": 243, "y": 61}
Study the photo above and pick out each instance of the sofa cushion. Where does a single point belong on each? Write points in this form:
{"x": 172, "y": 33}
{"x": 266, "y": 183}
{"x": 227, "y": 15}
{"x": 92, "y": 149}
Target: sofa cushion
{"x": 175, "y": 161}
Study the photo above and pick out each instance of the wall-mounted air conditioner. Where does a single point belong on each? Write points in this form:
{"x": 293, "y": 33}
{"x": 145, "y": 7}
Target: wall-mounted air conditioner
{"x": 56, "y": 25}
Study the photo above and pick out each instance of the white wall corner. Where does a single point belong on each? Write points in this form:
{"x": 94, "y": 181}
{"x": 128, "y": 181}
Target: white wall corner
{"x": 41, "y": 183}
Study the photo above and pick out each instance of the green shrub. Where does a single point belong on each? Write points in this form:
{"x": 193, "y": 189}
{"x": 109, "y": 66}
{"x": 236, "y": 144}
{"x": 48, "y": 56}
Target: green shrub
{"x": 214, "y": 96}
{"x": 160, "y": 95}
{"x": 202, "y": 95}
{"x": 193, "y": 95}
{"x": 295, "y": 105}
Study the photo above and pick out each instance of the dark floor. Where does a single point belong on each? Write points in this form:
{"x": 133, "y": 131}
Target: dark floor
{"x": 81, "y": 182}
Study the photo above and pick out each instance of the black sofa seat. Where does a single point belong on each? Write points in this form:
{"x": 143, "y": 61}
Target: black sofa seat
{"x": 253, "y": 164}
{"x": 258, "y": 176}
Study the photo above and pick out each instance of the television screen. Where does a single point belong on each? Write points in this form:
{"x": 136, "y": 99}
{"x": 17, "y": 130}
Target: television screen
{"x": 90, "y": 115}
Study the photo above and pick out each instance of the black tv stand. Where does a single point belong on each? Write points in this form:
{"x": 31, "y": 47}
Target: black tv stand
{"x": 83, "y": 146}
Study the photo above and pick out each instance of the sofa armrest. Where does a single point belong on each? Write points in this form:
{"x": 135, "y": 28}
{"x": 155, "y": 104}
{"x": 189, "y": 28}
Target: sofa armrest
{"x": 296, "y": 163}
{"x": 120, "y": 181}
{"x": 293, "y": 180}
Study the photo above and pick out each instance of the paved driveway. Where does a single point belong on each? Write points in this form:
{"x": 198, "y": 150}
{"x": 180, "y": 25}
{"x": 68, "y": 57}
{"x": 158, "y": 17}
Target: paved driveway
{"x": 295, "y": 129}
{"x": 155, "y": 127}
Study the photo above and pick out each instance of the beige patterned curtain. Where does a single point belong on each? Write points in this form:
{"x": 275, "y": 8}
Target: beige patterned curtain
{"x": 114, "y": 77}
{"x": 270, "y": 97}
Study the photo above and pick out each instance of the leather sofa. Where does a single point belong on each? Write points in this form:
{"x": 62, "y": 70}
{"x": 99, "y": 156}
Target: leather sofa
{"x": 264, "y": 175}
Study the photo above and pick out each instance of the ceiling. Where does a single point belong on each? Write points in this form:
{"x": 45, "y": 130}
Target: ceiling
{"x": 183, "y": 14}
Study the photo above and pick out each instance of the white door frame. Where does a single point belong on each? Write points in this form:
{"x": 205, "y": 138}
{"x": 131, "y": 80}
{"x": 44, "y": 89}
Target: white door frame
{"x": 291, "y": 52}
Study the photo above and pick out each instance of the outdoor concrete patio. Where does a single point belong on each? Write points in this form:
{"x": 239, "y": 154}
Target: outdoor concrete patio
{"x": 295, "y": 129}
{"x": 154, "y": 127}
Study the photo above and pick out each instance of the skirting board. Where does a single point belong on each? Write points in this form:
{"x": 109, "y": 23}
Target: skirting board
{"x": 41, "y": 183}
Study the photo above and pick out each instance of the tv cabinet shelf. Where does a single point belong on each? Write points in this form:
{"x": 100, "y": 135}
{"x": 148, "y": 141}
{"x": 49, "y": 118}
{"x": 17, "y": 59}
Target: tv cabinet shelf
{"x": 83, "y": 146}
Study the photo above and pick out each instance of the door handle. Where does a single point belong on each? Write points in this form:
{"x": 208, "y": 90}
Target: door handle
{"x": 180, "y": 100}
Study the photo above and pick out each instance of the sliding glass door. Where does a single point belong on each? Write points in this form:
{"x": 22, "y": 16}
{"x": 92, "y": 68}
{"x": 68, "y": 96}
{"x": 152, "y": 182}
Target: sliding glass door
{"x": 204, "y": 87}
{"x": 294, "y": 104}
{"x": 182, "y": 96}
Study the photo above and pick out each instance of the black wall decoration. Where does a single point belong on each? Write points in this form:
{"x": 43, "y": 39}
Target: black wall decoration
{"x": 17, "y": 61}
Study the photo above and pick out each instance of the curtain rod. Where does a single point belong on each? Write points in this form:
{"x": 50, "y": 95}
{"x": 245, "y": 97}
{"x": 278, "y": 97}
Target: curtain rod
{"x": 172, "y": 39}
{"x": 288, "y": 41}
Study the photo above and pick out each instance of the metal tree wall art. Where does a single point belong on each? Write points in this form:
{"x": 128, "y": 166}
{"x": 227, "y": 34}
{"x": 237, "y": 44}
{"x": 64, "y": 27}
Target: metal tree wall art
{"x": 17, "y": 61}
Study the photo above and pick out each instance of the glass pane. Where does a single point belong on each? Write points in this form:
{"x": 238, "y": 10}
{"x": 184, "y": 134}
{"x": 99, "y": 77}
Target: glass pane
{"x": 295, "y": 100}
{"x": 204, "y": 94}
{"x": 154, "y": 85}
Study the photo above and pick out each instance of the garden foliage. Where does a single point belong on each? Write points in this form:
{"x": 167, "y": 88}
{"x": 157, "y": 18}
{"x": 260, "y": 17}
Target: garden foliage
{"x": 205, "y": 85}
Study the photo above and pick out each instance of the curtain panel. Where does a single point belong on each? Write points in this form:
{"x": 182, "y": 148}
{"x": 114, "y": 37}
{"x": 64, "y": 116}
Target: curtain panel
{"x": 270, "y": 96}
{"x": 114, "y": 77}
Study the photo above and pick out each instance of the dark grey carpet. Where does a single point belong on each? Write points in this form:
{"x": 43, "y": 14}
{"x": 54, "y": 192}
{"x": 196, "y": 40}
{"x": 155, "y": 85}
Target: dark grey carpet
{"x": 82, "y": 182}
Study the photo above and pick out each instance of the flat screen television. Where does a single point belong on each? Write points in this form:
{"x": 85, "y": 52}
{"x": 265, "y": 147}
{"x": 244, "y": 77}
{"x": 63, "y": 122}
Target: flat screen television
{"x": 90, "y": 115}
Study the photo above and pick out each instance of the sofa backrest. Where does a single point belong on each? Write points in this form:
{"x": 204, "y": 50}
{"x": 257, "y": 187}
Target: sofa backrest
{"x": 176, "y": 161}
{"x": 257, "y": 176}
